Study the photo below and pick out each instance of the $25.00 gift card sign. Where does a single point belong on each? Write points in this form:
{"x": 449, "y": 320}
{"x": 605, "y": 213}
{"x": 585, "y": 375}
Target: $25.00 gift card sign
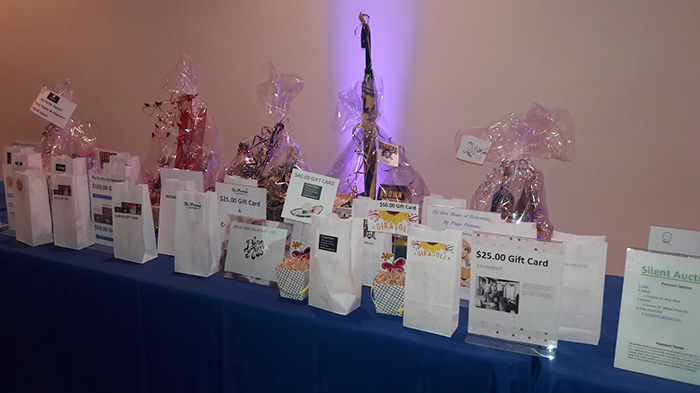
{"x": 309, "y": 195}
{"x": 391, "y": 217}
{"x": 515, "y": 289}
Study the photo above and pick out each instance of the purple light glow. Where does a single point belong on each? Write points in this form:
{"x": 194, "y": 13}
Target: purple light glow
{"x": 394, "y": 25}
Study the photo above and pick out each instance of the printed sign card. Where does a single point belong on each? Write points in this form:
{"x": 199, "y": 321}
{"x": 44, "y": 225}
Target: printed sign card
{"x": 392, "y": 217}
{"x": 659, "y": 316}
{"x": 240, "y": 200}
{"x": 255, "y": 248}
{"x": 467, "y": 222}
{"x": 309, "y": 195}
{"x": 674, "y": 240}
{"x": 101, "y": 198}
{"x": 516, "y": 288}
{"x": 52, "y": 107}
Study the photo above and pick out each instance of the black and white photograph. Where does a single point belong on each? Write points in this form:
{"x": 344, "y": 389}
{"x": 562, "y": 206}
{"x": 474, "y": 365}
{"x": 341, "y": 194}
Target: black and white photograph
{"x": 497, "y": 294}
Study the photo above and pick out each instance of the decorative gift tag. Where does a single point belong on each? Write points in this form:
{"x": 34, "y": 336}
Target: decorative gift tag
{"x": 516, "y": 287}
{"x": 52, "y": 107}
{"x": 473, "y": 150}
{"x": 392, "y": 217}
{"x": 388, "y": 154}
{"x": 309, "y": 195}
{"x": 256, "y": 247}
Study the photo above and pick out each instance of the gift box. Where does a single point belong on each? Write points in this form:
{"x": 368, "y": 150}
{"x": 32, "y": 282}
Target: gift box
{"x": 388, "y": 290}
{"x": 293, "y": 278}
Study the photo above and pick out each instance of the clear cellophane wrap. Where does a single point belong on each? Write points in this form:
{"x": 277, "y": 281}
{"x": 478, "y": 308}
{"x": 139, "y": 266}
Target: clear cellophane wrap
{"x": 515, "y": 188}
{"x": 77, "y": 139}
{"x": 273, "y": 154}
{"x": 185, "y": 134}
{"x": 349, "y": 166}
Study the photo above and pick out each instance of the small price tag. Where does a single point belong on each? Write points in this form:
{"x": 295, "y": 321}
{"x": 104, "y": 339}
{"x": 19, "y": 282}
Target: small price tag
{"x": 52, "y": 107}
{"x": 473, "y": 150}
{"x": 388, "y": 154}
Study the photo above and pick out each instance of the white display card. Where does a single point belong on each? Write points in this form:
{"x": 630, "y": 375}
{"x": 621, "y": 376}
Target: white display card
{"x": 660, "y": 315}
{"x": 240, "y": 200}
{"x": 391, "y": 217}
{"x": 52, "y": 107}
{"x": 467, "y": 222}
{"x": 674, "y": 240}
{"x": 101, "y": 201}
{"x": 516, "y": 288}
{"x": 256, "y": 247}
{"x": 308, "y": 195}
{"x": 473, "y": 149}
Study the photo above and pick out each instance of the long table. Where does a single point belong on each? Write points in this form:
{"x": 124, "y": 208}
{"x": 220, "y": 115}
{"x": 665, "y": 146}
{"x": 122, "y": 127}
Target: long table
{"x": 82, "y": 321}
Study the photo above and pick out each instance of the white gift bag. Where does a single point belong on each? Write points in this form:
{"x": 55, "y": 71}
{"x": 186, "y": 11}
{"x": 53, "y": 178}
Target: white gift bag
{"x": 335, "y": 278}
{"x": 166, "y": 217}
{"x": 32, "y": 211}
{"x": 132, "y": 220}
{"x": 372, "y": 245}
{"x": 431, "y": 300}
{"x": 70, "y": 198}
{"x": 581, "y": 308}
{"x": 16, "y": 159}
{"x": 197, "y": 235}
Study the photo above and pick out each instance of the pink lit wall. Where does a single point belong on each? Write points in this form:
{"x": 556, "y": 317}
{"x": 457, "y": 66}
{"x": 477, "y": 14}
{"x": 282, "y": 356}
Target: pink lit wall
{"x": 627, "y": 70}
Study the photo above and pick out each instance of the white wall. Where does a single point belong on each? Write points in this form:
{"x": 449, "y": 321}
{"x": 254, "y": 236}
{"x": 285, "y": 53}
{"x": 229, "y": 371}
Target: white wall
{"x": 628, "y": 71}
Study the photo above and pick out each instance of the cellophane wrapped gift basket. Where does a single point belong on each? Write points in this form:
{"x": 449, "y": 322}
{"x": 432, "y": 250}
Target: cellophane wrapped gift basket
{"x": 185, "y": 134}
{"x": 273, "y": 154}
{"x": 515, "y": 188}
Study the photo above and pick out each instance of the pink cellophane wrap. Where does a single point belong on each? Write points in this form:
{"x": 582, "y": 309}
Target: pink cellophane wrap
{"x": 515, "y": 188}
{"x": 188, "y": 138}
{"x": 348, "y": 167}
{"x": 274, "y": 154}
{"x": 77, "y": 139}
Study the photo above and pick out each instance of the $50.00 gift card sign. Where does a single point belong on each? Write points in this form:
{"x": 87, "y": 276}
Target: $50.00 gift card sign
{"x": 392, "y": 217}
{"x": 516, "y": 288}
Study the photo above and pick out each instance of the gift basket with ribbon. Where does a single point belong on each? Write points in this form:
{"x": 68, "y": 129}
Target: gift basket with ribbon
{"x": 515, "y": 188}
{"x": 185, "y": 135}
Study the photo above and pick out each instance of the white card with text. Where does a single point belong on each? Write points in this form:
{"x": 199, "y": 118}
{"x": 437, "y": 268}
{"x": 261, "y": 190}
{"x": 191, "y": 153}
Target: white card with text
{"x": 516, "y": 288}
{"x": 240, "y": 200}
{"x": 101, "y": 201}
{"x": 391, "y": 217}
{"x": 473, "y": 149}
{"x": 52, "y": 107}
{"x": 660, "y": 315}
{"x": 308, "y": 195}
{"x": 674, "y": 240}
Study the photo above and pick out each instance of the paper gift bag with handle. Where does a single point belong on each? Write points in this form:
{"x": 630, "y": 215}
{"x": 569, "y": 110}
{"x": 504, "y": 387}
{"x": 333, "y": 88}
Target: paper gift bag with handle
{"x": 197, "y": 234}
{"x": 70, "y": 196}
{"x": 335, "y": 278}
{"x": 134, "y": 235}
{"x": 166, "y": 218}
{"x": 431, "y": 299}
{"x": 32, "y": 211}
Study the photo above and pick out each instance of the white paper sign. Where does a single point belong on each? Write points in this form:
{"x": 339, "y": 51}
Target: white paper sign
{"x": 52, "y": 107}
{"x": 101, "y": 200}
{"x": 473, "y": 149}
{"x": 391, "y": 217}
{"x": 467, "y": 222}
{"x": 309, "y": 195}
{"x": 239, "y": 200}
{"x": 659, "y": 316}
{"x": 388, "y": 154}
{"x": 674, "y": 240}
{"x": 256, "y": 250}
{"x": 516, "y": 288}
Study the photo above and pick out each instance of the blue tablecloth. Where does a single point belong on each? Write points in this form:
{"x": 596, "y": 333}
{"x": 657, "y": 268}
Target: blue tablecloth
{"x": 82, "y": 321}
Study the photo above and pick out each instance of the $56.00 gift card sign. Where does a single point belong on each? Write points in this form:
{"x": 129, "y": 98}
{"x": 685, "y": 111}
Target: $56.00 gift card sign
{"x": 392, "y": 217}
